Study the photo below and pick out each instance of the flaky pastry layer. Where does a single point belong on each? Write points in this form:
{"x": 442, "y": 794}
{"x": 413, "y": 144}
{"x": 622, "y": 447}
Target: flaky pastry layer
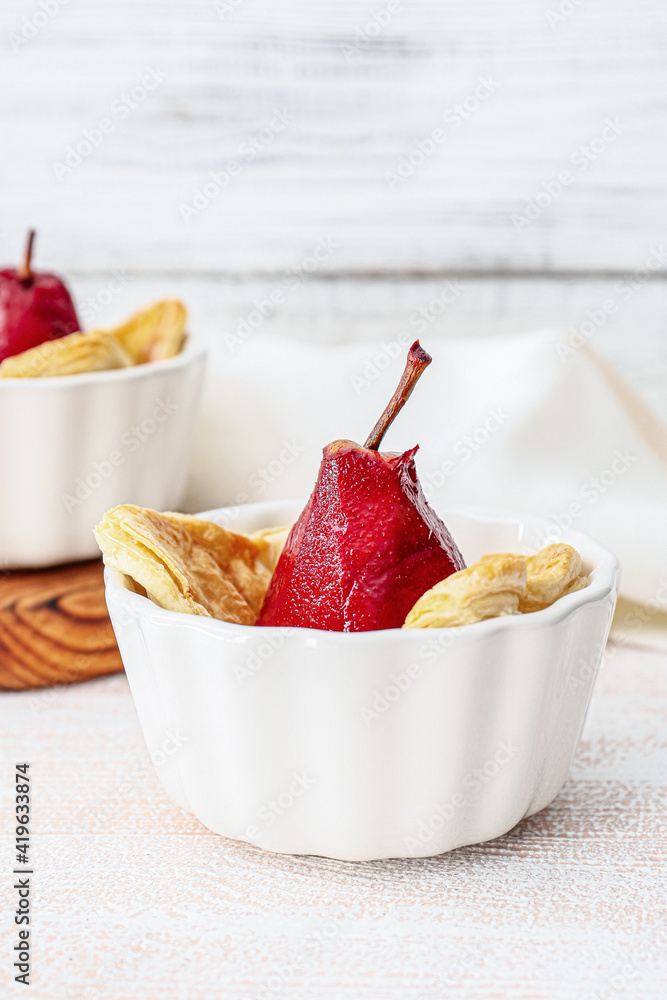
{"x": 186, "y": 564}
{"x": 500, "y": 584}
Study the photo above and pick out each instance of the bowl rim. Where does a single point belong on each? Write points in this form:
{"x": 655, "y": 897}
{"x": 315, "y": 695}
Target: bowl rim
{"x": 606, "y": 572}
{"x": 192, "y": 350}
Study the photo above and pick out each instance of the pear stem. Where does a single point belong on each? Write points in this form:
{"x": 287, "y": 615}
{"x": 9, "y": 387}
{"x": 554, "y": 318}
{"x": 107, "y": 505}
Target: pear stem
{"x": 417, "y": 361}
{"x": 25, "y": 272}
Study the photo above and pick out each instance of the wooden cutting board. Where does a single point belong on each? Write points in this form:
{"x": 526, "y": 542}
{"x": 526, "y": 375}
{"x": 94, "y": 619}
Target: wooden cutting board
{"x": 54, "y": 627}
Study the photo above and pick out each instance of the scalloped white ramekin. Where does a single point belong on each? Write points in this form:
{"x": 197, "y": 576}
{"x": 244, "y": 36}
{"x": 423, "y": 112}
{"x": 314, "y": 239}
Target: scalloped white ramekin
{"x": 73, "y": 446}
{"x": 368, "y": 745}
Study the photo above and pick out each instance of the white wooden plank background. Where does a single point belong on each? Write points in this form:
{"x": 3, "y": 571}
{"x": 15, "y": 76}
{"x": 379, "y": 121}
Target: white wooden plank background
{"x": 135, "y": 900}
{"x": 354, "y": 117}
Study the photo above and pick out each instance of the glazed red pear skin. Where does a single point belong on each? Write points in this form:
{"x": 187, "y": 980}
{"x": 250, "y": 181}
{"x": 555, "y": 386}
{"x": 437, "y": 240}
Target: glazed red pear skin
{"x": 34, "y": 307}
{"x": 365, "y": 548}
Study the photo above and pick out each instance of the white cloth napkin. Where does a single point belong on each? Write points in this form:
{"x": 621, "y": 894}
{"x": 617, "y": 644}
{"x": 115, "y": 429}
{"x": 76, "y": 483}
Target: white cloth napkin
{"x": 503, "y": 424}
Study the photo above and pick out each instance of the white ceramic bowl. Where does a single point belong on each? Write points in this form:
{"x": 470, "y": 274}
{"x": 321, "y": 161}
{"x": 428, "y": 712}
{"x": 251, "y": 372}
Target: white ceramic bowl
{"x": 71, "y": 447}
{"x": 374, "y": 744}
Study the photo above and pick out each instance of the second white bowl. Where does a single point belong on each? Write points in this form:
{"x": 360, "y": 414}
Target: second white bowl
{"x": 72, "y": 447}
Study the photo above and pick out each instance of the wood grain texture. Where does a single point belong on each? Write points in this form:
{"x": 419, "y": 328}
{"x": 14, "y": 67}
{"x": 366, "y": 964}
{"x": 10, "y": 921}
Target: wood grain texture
{"x": 136, "y": 900}
{"x": 54, "y": 627}
{"x": 359, "y": 99}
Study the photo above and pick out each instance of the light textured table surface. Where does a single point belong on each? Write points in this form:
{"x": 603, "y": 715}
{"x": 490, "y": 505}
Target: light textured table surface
{"x": 135, "y": 900}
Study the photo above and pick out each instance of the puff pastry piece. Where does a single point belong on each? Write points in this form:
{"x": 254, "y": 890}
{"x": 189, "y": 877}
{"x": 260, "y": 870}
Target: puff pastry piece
{"x": 275, "y": 539}
{"x": 500, "y": 584}
{"x": 491, "y": 587}
{"x": 70, "y": 355}
{"x": 186, "y": 564}
{"x": 552, "y": 572}
{"x": 154, "y": 333}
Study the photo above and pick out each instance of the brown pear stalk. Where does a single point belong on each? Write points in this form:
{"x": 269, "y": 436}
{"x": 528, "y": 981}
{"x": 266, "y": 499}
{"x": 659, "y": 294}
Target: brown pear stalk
{"x": 418, "y": 360}
{"x": 25, "y": 272}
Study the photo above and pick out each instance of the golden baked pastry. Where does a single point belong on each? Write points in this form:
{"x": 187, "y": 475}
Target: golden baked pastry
{"x": 275, "y": 539}
{"x": 489, "y": 588}
{"x": 151, "y": 334}
{"x": 500, "y": 584}
{"x": 551, "y": 573}
{"x": 154, "y": 333}
{"x": 70, "y": 355}
{"x": 578, "y": 584}
{"x": 186, "y": 564}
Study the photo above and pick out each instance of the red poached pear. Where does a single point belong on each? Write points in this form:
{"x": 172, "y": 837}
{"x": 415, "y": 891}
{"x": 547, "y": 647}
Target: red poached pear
{"x": 367, "y": 544}
{"x": 34, "y": 307}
